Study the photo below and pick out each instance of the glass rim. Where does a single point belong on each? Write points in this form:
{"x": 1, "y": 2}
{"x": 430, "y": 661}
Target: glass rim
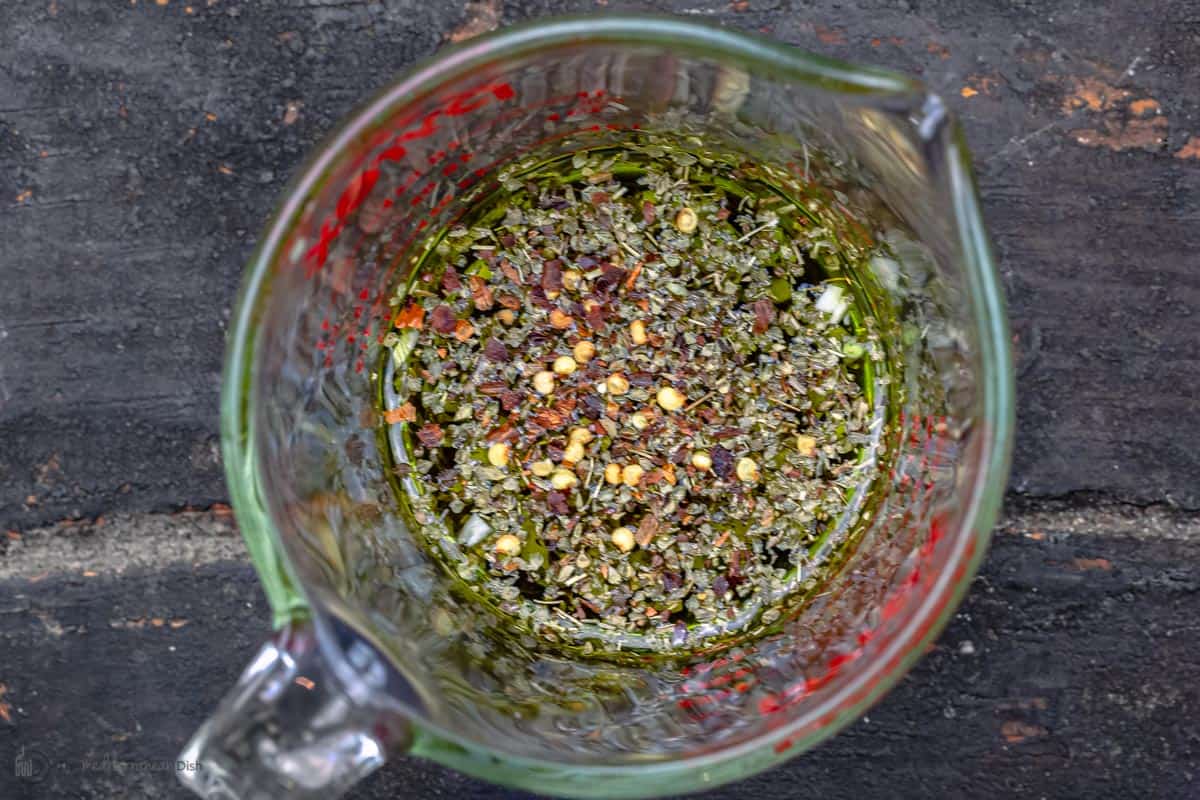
{"x": 996, "y": 388}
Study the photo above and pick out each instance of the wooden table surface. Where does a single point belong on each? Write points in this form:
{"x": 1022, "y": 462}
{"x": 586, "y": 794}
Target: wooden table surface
{"x": 143, "y": 144}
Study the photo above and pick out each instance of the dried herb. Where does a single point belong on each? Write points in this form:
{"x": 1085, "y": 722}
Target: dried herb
{"x": 648, "y": 407}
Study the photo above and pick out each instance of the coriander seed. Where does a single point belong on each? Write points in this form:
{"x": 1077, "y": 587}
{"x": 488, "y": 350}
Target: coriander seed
{"x": 574, "y": 453}
{"x": 669, "y": 398}
{"x": 637, "y": 332}
{"x": 562, "y": 479}
{"x": 542, "y": 468}
{"x": 612, "y": 474}
{"x": 543, "y": 382}
{"x": 686, "y": 220}
{"x": 564, "y": 365}
{"x": 623, "y": 539}
{"x": 583, "y": 351}
{"x": 617, "y": 384}
{"x": 806, "y": 445}
{"x": 702, "y": 460}
{"x": 632, "y": 474}
{"x": 497, "y": 454}
{"x": 508, "y": 545}
{"x": 747, "y": 470}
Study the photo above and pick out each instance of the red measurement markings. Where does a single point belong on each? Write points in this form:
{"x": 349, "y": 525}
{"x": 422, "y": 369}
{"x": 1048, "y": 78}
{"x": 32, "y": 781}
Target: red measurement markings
{"x": 398, "y": 258}
{"x": 471, "y": 180}
{"x": 397, "y": 151}
{"x": 359, "y": 189}
{"x": 360, "y": 186}
{"x": 926, "y": 437}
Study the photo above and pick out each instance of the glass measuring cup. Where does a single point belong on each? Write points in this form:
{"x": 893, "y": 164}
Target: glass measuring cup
{"x": 377, "y": 653}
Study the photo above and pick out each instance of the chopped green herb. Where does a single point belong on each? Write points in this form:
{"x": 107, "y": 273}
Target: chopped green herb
{"x": 642, "y": 408}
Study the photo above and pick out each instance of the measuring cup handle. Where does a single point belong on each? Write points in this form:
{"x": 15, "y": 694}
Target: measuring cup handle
{"x": 291, "y": 728}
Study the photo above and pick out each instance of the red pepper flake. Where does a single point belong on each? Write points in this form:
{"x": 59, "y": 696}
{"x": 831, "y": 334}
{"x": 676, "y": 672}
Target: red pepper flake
{"x": 463, "y": 330}
{"x": 641, "y": 379}
{"x": 566, "y": 405}
{"x": 647, "y": 530}
{"x": 723, "y": 213}
{"x": 735, "y": 563}
{"x": 649, "y": 214}
{"x": 633, "y": 276}
{"x": 492, "y": 388}
{"x": 502, "y": 433}
{"x": 548, "y": 418}
{"x": 610, "y": 278}
{"x": 595, "y": 317}
{"x": 558, "y": 503}
{"x": 450, "y": 280}
{"x": 405, "y": 413}
{"x": 509, "y": 301}
{"x": 727, "y": 433}
{"x": 495, "y": 350}
{"x": 552, "y": 276}
{"x": 764, "y": 315}
{"x": 538, "y": 298}
{"x": 481, "y": 293}
{"x": 510, "y": 399}
{"x": 411, "y": 316}
{"x": 442, "y": 320}
{"x": 431, "y": 435}
{"x": 596, "y": 198}
{"x": 509, "y": 270}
